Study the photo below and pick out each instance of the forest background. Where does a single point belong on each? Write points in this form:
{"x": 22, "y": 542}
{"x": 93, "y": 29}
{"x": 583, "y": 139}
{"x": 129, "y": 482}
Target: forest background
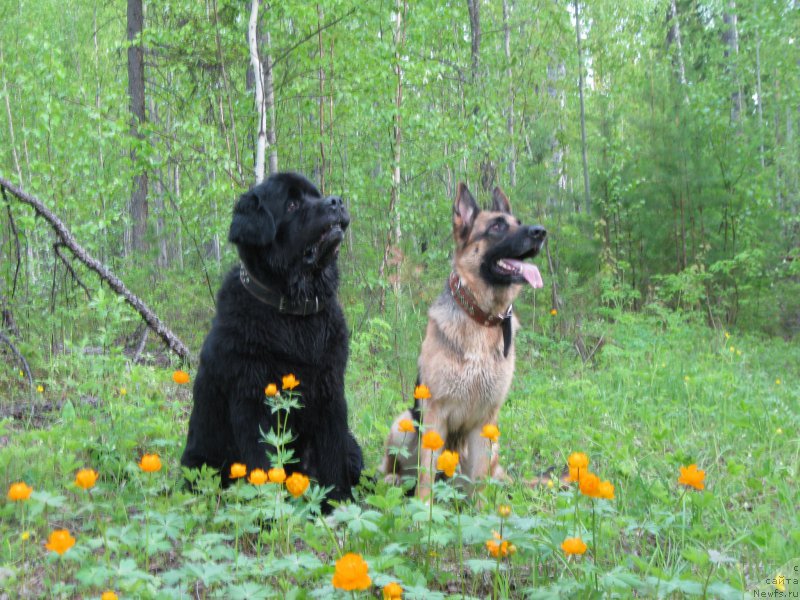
{"x": 656, "y": 140}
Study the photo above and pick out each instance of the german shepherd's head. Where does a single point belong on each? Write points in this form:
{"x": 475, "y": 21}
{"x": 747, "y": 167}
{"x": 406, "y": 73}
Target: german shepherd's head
{"x": 491, "y": 246}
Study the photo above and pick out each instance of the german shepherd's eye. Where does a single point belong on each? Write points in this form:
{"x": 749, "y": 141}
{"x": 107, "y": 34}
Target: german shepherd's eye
{"x": 498, "y": 226}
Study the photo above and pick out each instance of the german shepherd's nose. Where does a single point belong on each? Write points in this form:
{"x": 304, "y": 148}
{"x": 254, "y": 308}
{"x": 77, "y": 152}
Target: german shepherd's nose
{"x": 536, "y": 232}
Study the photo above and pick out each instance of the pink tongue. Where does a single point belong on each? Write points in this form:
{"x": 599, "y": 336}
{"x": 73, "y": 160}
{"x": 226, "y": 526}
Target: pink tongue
{"x": 528, "y": 271}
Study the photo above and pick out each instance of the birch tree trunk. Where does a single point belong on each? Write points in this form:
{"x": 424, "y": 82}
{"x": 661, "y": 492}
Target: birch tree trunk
{"x": 730, "y": 36}
{"x": 255, "y": 61}
{"x": 512, "y": 159}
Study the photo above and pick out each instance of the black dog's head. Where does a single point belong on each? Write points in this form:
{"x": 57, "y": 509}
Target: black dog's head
{"x": 493, "y": 243}
{"x": 288, "y": 235}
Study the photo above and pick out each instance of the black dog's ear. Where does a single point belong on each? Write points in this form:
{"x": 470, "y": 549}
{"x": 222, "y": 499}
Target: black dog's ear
{"x": 252, "y": 223}
{"x": 465, "y": 209}
{"x": 500, "y": 201}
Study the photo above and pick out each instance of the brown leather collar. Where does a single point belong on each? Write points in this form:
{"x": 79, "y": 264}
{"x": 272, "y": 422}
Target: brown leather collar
{"x": 466, "y": 300}
{"x": 276, "y": 299}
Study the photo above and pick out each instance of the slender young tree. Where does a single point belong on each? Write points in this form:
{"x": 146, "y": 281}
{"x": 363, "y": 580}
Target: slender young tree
{"x": 586, "y": 192}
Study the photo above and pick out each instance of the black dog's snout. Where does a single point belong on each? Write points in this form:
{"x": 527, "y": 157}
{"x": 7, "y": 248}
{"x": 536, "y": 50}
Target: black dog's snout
{"x": 537, "y": 232}
{"x": 334, "y": 202}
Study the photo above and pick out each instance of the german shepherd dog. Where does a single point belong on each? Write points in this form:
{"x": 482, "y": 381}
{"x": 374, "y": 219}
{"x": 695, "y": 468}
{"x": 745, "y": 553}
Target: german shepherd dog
{"x": 467, "y": 357}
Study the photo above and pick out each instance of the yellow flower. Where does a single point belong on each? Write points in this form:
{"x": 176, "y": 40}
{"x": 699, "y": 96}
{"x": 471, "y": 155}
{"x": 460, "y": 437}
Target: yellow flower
{"x": 123, "y": 391}
{"x": 553, "y": 312}
{"x": 512, "y": 549}
{"x": 490, "y": 432}
{"x": 732, "y": 349}
{"x": 578, "y": 462}
{"x": 777, "y": 382}
{"x": 727, "y": 335}
{"x": 257, "y": 477}
{"x": 25, "y": 536}
{"x": 297, "y": 484}
{"x": 780, "y": 582}
{"x": 589, "y": 485}
{"x": 86, "y": 478}
{"x": 573, "y": 546}
{"x": 606, "y": 490}
{"x": 779, "y": 431}
{"x": 180, "y": 377}
{"x": 504, "y": 510}
{"x": 39, "y": 388}
{"x": 271, "y": 390}
{"x": 19, "y": 491}
{"x": 692, "y": 477}
{"x": 421, "y": 392}
{"x": 60, "y": 541}
{"x": 276, "y": 475}
{"x": 238, "y": 470}
{"x": 21, "y": 374}
{"x": 432, "y": 440}
{"x": 406, "y": 426}
{"x": 109, "y": 595}
{"x": 392, "y": 591}
{"x": 686, "y": 378}
{"x": 351, "y": 573}
{"x": 290, "y": 382}
{"x": 447, "y": 462}
{"x": 150, "y": 463}
{"x": 497, "y": 547}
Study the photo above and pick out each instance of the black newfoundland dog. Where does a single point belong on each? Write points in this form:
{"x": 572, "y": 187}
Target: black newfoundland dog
{"x": 277, "y": 313}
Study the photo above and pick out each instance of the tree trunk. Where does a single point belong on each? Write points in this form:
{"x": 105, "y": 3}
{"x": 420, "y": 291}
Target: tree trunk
{"x": 255, "y": 62}
{"x": 269, "y": 92}
{"x": 473, "y": 6}
{"x": 138, "y": 202}
{"x": 586, "y": 192}
{"x": 512, "y": 159}
{"x": 321, "y": 48}
{"x": 730, "y": 36}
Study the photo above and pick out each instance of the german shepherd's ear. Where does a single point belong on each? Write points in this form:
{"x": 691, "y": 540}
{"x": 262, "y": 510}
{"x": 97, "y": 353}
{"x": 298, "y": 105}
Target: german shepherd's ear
{"x": 465, "y": 209}
{"x": 252, "y": 223}
{"x": 500, "y": 201}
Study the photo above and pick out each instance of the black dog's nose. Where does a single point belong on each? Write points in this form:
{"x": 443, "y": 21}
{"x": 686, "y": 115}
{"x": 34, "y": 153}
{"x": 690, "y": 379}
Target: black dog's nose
{"x": 537, "y": 232}
{"x": 334, "y": 201}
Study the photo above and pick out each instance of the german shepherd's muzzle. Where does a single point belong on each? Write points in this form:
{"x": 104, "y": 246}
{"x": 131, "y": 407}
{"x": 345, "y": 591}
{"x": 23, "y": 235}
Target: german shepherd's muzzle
{"x": 467, "y": 357}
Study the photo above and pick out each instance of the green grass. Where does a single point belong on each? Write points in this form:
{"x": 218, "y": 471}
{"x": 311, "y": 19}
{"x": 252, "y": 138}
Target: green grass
{"x": 662, "y": 392}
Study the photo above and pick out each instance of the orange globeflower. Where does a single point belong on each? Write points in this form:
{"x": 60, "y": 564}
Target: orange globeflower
{"x": 606, "y": 490}
{"x": 276, "y": 475}
{"x": 257, "y": 477}
{"x": 553, "y": 312}
{"x": 504, "y": 510}
{"x": 432, "y": 440}
{"x": 573, "y": 546}
{"x": 19, "y": 491}
{"x": 589, "y": 485}
{"x": 490, "y": 432}
{"x": 297, "y": 484}
{"x": 447, "y": 462}
{"x": 271, "y": 390}
{"x": 392, "y": 591}
{"x": 351, "y": 573}
{"x": 406, "y": 426}
{"x": 150, "y": 463}
{"x": 290, "y": 382}
{"x": 109, "y": 595}
{"x": 238, "y": 470}
{"x": 180, "y": 377}
{"x": 497, "y": 547}
{"x": 692, "y": 477}
{"x": 60, "y": 541}
{"x": 86, "y": 478}
{"x": 422, "y": 392}
{"x": 578, "y": 462}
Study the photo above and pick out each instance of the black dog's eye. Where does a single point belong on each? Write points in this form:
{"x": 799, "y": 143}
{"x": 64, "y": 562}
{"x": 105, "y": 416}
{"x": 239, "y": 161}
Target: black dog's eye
{"x": 292, "y": 205}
